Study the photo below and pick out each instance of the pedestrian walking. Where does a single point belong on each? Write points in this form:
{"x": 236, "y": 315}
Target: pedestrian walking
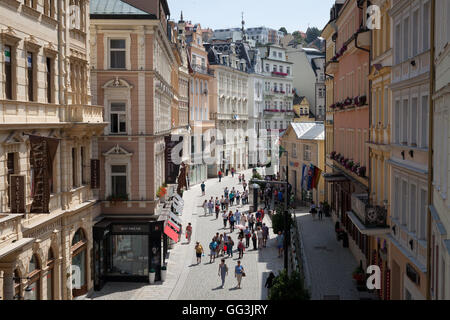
{"x": 210, "y": 207}
{"x": 238, "y": 198}
{"x": 244, "y": 185}
{"x": 225, "y": 219}
{"x": 237, "y": 215}
{"x": 221, "y": 247}
{"x": 225, "y": 192}
{"x": 232, "y": 172}
{"x": 280, "y": 239}
{"x": 251, "y": 222}
{"x": 222, "y": 203}
{"x": 230, "y": 244}
{"x": 205, "y": 207}
{"x": 199, "y": 252}
{"x": 241, "y": 249}
{"x": 265, "y": 233}
{"x": 269, "y": 282}
{"x": 189, "y": 232}
{"x": 239, "y": 273}
{"x": 320, "y": 212}
{"x": 212, "y": 248}
{"x": 243, "y": 219}
{"x": 220, "y": 175}
{"x": 247, "y": 235}
{"x": 254, "y": 240}
{"x": 217, "y": 211}
{"x": 203, "y": 187}
{"x": 227, "y": 203}
{"x": 232, "y": 198}
{"x": 259, "y": 234}
{"x": 223, "y": 271}
{"x": 312, "y": 210}
{"x": 240, "y": 179}
{"x": 231, "y": 219}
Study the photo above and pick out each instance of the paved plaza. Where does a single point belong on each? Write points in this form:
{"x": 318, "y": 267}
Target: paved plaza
{"x": 186, "y": 280}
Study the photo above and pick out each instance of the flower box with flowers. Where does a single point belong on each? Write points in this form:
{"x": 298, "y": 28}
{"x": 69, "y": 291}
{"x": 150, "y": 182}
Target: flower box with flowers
{"x": 333, "y": 106}
{"x": 347, "y": 102}
{"x": 340, "y": 105}
{"x": 349, "y": 164}
{"x": 361, "y": 171}
{"x": 355, "y": 168}
{"x": 333, "y": 155}
{"x": 362, "y": 101}
{"x": 279, "y": 73}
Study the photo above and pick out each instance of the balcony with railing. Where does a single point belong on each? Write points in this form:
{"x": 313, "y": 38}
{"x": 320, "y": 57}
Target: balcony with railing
{"x": 85, "y": 113}
{"x": 22, "y": 112}
{"x": 202, "y": 69}
{"x": 369, "y": 216}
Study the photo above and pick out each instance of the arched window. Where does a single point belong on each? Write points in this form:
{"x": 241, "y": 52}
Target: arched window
{"x": 50, "y": 274}
{"x": 79, "y": 263}
{"x": 34, "y": 276}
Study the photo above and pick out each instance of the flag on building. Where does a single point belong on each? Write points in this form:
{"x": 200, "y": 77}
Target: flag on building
{"x": 316, "y": 177}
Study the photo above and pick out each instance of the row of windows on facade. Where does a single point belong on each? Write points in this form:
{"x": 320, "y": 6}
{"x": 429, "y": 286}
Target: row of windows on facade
{"x": 30, "y": 74}
{"x": 199, "y": 87}
{"x": 352, "y": 85}
{"x": 410, "y": 204}
{"x": 277, "y": 68}
{"x": 307, "y": 151}
{"x": 411, "y": 122}
{"x": 275, "y": 86}
{"x": 274, "y": 105}
{"x": 79, "y": 164}
{"x": 412, "y": 33}
{"x": 274, "y": 125}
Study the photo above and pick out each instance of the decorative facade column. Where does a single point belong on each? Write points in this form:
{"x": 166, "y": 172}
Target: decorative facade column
{"x": 8, "y": 284}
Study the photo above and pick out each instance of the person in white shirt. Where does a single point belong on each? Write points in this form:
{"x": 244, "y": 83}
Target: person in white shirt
{"x": 237, "y": 215}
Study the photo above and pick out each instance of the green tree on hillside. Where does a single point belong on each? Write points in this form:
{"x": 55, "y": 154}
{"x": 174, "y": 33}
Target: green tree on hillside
{"x": 283, "y": 29}
{"x": 312, "y": 34}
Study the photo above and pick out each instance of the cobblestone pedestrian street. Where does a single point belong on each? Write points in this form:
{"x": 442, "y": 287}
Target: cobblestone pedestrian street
{"x": 186, "y": 280}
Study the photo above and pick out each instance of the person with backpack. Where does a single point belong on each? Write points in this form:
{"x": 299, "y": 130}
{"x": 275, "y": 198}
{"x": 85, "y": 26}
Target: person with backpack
{"x": 212, "y": 248}
{"x": 223, "y": 271}
{"x": 241, "y": 249}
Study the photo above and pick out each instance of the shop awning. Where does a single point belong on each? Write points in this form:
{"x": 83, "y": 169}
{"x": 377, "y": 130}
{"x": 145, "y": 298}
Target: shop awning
{"x": 171, "y": 232}
{"x": 365, "y": 230}
{"x": 14, "y": 246}
{"x": 335, "y": 177}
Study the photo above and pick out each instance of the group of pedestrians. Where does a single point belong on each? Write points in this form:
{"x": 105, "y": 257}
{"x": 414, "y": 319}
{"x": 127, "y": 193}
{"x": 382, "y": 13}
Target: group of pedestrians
{"x": 313, "y": 209}
{"x": 250, "y": 227}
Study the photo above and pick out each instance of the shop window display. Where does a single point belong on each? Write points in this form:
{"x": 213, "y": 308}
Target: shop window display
{"x": 129, "y": 255}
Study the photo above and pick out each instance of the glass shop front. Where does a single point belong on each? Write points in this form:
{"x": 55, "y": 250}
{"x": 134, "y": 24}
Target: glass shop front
{"x": 128, "y": 250}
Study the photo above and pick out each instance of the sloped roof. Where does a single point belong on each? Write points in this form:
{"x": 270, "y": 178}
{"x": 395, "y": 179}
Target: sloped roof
{"x": 309, "y": 130}
{"x": 113, "y": 7}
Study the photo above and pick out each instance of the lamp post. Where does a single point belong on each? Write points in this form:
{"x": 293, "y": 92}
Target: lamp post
{"x": 255, "y": 188}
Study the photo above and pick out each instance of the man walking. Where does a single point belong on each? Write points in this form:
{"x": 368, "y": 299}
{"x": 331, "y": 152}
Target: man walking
{"x": 237, "y": 215}
{"x": 280, "y": 239}
{"x": 211, "y": 207}
{"x": 225, "y": 219}
{"x": 223, "y": 271}
{"x": 247, "y": 235}
{"x": 241, "y": 248}
{"x": 203, "y": 186}
{"x": 220, "y": 176}
{"x": 265, "y": 232}
{"x": 212, "y": 248}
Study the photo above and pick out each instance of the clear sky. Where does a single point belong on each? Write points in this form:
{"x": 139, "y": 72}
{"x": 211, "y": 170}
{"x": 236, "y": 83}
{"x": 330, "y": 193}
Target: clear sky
{"x": 220, "y": 14}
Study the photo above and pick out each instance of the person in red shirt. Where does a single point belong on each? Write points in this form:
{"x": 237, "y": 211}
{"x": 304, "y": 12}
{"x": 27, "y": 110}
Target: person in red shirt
{"x": 189, "y": 232}
{"x": 220, "y": 176}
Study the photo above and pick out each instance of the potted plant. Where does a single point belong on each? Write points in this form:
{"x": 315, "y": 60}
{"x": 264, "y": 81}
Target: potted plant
{"x": 362, "y": 100}
{"x": 361, "y": 171}
{"x": 163, "y": 273}
{"x": 358, "y": 275}
{"x": 349, "y": 164}
{"x": 151, "y": 276}
{"x": 162, "y": 191}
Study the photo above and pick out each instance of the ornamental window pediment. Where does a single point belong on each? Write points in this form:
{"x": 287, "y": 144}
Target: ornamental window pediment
{"x": 117, "y": 83}
{"x": 117, "y": 151}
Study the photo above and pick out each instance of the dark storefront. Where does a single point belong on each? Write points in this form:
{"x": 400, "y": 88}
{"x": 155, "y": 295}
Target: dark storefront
{"x": 127, "y": 250}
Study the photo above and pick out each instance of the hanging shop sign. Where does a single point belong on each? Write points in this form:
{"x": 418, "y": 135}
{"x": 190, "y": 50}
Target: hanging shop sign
{"x": 95, "y": 174}
{"x": 17, "y": 193}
